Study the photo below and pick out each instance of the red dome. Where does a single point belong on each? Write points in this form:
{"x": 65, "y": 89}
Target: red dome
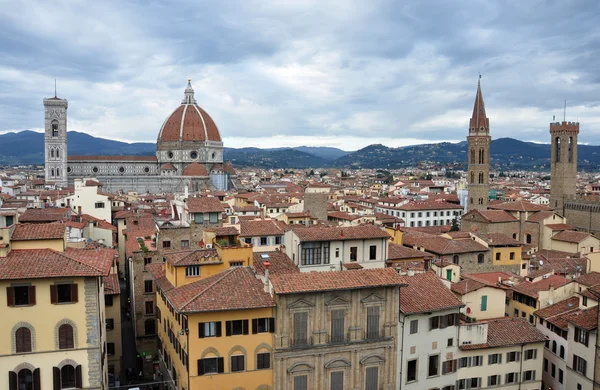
{"x": 195, "y": 169}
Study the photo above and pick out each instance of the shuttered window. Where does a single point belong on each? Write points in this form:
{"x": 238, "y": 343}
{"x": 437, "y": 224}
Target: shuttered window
{"x": 65, "y": 336}
{"x": 23, "y": 340}
{"x": 373, "y": 322}
{"x": 484, "y": 303}
{"x": 301, "y": 382}
{"x": 237, "y": 363}
{"x": 337, "y": 325}
{"x": 337, "y": 380}
{"x": 20, "y": 296}
{"x": 372, "y": 377}
{"x": 300, "y": 328}
{"x": 263, "y": 360}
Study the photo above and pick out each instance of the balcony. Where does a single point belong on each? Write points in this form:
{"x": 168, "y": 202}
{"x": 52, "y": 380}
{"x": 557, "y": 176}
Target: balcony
{"x": 338, "y": 338}
{"x": 301, "y": 342}
{"x": 378, "y": 334}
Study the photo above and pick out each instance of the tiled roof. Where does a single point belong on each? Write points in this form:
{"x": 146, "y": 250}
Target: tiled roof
{"x": 204, "y": 205}
{"x": 498, "y": 239}
{"x": 157, "y": 271}
{"x": 280, "y": 263}
{"x": 560, "y": 226}
{"x": 100, "y": 223}
{"x": 466, "y": 286}
{"x": 585, "y": 319}
{"x": 182, "y": 258}
{"x": 111, "y": 285}
{"x": 589, "y": 279}
{"x": 44, "y": 215}
{"x": 558, "y": 308}
{"x": 441, "y": 245}
{"x": 318, "y": 233}
{"x": 495, "y": 215}
{"x": 429, "y": 205}
{"x": 425, "y": 293}
{"x": 540, "y": 216}
{"x": 195, "y": 169}
{"x": 47, "y": 263}
{"x": 39, "y": 231}
{"x": 168, "y": 166}
{"x": 455, "y": 235}
{"x": 571, "y": 236}
{"x": 352, "y": 266}
{"x": 112, "y": 158}
{"x": 399, "y": 252}
{"x": 224, "y": 231}
{"x": 490, "y": 278}
{"x": 342, "y": 215}
{"x": 233, "y": 289}
{"x": 334, "y": 280}
{"x": 532, "y": 289}
{"x": 508, "y": 331}
{"x": 262, "y": 227}
{"x": 520, "y": 206}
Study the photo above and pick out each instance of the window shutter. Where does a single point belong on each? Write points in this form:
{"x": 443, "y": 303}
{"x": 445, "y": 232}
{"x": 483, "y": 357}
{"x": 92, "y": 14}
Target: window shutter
{"x": 200, "y": 367}
{"x": 53, "y": 294}
{"x": 272, "y": 325}
{"x": 484, "y": 303}
{"x": 12, "y": 379}
{"x": 218, "y": 329}
{"x": 31, "y": 295}
{"x": 227, "y": 328}
{"x": 220, "y": 365}
{"x": 10, "y": 297}
{"x": 245, "y": 326}
{"x": 78, "y": 377}
{"x": 56, "y": 377}
{"x": 254, "y": 325}
{"x": 37, "y": 384}
{"x": 518, "y": 356}
{"x": 74, "y": 297}
{"x": 337, "y": 380}
{"x": 200, "y": 330}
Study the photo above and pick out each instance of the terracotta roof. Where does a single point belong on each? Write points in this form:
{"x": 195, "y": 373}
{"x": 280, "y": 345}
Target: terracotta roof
{"x": 571, "y": 236}
{"x": 111, "y": 285}
{"x": 399, "y": 252}
{"x": 567, "y": 305}
{"x": 585, "y": 319}
{"x": 262, "y": 227}
{"x": 112, "y": 158}
{"x": 228, "y": 168}
{"x": 441, "y": 245}
{"x": 92, "y": 183}
{"x": 204, "y": 205}
{"x": 532, "y": 289}
{"x": 540, "y": 216}
{"x": 520, "y": 206}
{"x": 189, "y": 122}
{"x": 494, "y": 215}
{"x": 455, "y": 235}
{"x": 491, "y": 278}
{"x": 429, "y": 205}
{"x": 195, "y": 169}
{"x": 233, "y": 289}
{"x": 508, "y": 331}
{"x": 426, "y": 293}
{"x": 498, "y": 239}
{"x": 100, "y": 223}
{"x": 168, "y": 166}
{"x": 182, "y": 258}
{"x": 352, "y": 266}
{"x": 304, "y": 282}
{"x": 466, "y": 286}
{"x": 157, "y": 271}
{"x": 280, "y": 263}
{"x": 589, "y": 279}
{"x": 223, "y": 231}
{"x": 38, "y": 231}
{"x": 47, "y": 263}
{"x": 50, "y": 214}
{"x": 318, "y": 233}
{"x": 559, "y": 226}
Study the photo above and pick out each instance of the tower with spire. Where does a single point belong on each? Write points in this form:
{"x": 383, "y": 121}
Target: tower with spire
{"x": 479, "y": 140}
{"x": 55, "y": 140}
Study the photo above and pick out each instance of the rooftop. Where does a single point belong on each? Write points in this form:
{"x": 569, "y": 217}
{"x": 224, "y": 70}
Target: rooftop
{"x": 426, "y": 293}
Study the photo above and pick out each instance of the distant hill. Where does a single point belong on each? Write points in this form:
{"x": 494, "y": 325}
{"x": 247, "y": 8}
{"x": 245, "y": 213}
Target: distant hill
{"x": 27, "y": 147}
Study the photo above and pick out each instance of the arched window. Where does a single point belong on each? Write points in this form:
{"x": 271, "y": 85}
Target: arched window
{"x": 52, "y": 172}
{"x": 67, "y": 377}
{"x": 480, "y": 258}
{"x": 55, "y": 128}
{"x": 480, "y": 177}
{"x": 554, "y": 346}
{"x": 57, "y": 153}
{"x": 52, "y": 153}
{"x": 65, "y": 336}
{"x": 472, "y": 177}
{"x": 480, "y": 200}
{"x": 25, "y": 379}
{"x": 482, "y": 156}
{"x": 570, "y": 150}
{"x": 472, "y": 156}
{"x": 23, "y": 340}
{"x": 455, "y": 259}
{"x": 562, "y": 352}
{"x": 57, "y": 171}
{"x": 528, "y": 241}
{"x": 515, "y": 236}
{"x": 557, "y": 149}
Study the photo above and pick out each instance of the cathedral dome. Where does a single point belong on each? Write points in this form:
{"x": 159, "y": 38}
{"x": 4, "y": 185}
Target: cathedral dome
{"x": 189, "y": 122}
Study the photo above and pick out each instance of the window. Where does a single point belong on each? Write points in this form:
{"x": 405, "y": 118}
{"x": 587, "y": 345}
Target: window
{"x": 545, "y": 365}
{"x": 516, "y": 313}
{"x": 579, "y": 364}
{"x": 581, "y": 336}
{"x": 263, "y": 325}
{"x": 530, "y": 354}
{"x": 512, "y": 356}
{"x": 278, "y": 240}
{"x": 450, "y": 342}
{"x": 493, "y": 380}
{"x": 494, "y": 358}
{"x": 373, "y": 322}
{"x": 411, "y": 371}
{"x": 199, "y": 218}
{"x": 372, "y": 378}
{"x": 108, "y": 300}
{"x": 337, "y": 326}
{"x": 149, "y": 306}
{"x": 373, "y": 252}
{"x": 213, "y": 217}
{"x": 434, "y": 365}
{"x": 455, "y": 259}
{"x": 511, "y": 377}
{"x": 497, "y": 256}
{"x": 263, "y": 241}
{"x": 562, "y": 352}
{"x": 449, "y": 366}
{"x": 147, "y": 260}
{"x": 149, "y": 327}
{"x": 236, "y": 327}
{"x": 414, "y": 326}
{"x": 166, "y": 244}
{"x": 483, "y": 302}
{"x": 314, "y": 253}
{"x": 553, "y": 371}
{"x": 300, "y": 328}
{"x": 301, "y": 382}
{"x": 585, "y": 301}
{"x": 353, "y": 253}
{"x": 477, "y": 361}
{"x": 512, "y": 255}
{"x": 185, "y": 243}
{"x": 23, "y": 340}
{"x": 480, "y": 258}
{"x": 20, "y": 295}
{"x": 337, "y": 380}
{"x": 237, "y": 363}
{"x": 67, "y": 377}
{"x": 25, "y": 379}
{"x": 110, "y": 324}
{"x": 99, "y": 205}
{"x": 337, "y": 252}
{"x": 471, "y": 383}
{"x": 147, "y": 286}
{"x": 212, "y": 365}
{"x": 192, "y": 270}
{"x": 55, "y": 129}
{"x": 529, "y": 375}
{"x": 209, "y": 329}
{"x": 560, "y": 376}
{"x": 110, "y": 348}
{"x": 434, "y": 323}
{"x": 263, "y": 360}
{"x": 528, "y": 238}
{"x": 65, "y": 337}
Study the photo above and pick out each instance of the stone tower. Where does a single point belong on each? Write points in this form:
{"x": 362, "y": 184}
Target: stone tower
{"x": 563, "y": 163}
{"x": 479, "y": 155}
{"x": 55, "y": 140}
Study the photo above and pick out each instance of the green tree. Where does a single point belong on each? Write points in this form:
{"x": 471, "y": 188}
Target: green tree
{"x": 454, "y": 227}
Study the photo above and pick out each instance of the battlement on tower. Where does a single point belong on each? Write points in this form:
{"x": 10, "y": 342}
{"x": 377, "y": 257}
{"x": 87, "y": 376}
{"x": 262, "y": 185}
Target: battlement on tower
{"x": 565, "y": 126}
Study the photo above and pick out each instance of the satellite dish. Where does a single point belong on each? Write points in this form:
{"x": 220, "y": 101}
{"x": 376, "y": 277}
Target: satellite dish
{"x": 89, "y": 240}
{"x": 541, "y": 262}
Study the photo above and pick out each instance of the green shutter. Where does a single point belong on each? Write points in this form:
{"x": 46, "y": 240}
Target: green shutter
{"x": 484, "y": 303}
{"x": 449, "y": 274}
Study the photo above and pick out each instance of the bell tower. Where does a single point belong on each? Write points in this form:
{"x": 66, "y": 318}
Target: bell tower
{"x": 55, "y": 140}
{"x": 563, "y": 163}
{"x": 479, "y": 140}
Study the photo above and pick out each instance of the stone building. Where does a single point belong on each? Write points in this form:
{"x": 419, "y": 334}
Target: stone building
{"x": 479, "y": 140}
{"x": 336, "y": 330}
{"x": 189, "y": 151}
{"x": 563, "y": 163}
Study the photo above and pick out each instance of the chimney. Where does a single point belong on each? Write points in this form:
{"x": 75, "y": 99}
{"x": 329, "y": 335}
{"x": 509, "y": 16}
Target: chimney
{"x": 267, "y": 265}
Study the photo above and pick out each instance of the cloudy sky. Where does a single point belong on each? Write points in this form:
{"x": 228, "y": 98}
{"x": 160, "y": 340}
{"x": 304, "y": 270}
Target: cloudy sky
{"x": 303, "y": 72}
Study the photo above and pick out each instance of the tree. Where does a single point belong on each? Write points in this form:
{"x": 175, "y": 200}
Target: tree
{"x": 311, "y": 173}
{"x": 455, "y": 226}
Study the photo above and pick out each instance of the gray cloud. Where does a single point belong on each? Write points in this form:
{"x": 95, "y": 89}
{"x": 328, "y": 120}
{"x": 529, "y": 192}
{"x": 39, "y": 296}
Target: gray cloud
{"x": 328, "y": 71}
